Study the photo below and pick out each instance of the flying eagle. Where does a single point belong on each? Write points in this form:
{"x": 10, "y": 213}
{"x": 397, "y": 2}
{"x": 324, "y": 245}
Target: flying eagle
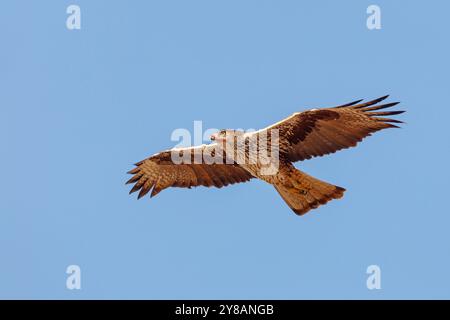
{"x": 303, "y": 135}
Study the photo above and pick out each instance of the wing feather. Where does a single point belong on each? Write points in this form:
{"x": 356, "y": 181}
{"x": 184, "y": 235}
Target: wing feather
{"x": 159, "y": 172}
{"x": 319, "y": 132}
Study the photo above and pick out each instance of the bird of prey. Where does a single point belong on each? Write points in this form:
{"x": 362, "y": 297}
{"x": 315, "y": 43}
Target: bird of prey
{"x": 303, "y": 135}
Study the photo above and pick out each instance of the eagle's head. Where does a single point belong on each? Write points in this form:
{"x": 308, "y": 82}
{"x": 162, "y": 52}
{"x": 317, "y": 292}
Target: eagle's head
{"x": 225, "y": 135}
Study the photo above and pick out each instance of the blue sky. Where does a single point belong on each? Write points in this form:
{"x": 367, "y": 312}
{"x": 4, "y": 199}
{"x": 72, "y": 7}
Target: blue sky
{"x": 79, "y": 107}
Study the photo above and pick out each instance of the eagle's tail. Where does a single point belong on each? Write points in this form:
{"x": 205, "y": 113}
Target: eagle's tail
{"x": 303, "y": 192}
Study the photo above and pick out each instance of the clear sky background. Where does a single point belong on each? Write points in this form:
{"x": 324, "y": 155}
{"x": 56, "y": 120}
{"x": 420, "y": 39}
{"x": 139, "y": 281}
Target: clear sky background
{"x": 79, "y": 107}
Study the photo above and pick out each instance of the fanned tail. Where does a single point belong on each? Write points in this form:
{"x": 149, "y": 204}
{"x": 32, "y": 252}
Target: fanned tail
{"x": 302, "y": 192}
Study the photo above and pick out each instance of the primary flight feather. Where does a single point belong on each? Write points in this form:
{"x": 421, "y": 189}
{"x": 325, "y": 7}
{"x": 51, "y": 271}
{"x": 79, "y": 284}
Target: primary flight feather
{"x": 301, "y": 136}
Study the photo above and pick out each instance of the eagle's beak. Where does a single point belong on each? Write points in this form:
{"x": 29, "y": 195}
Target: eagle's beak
{"x": 213, "y": 137}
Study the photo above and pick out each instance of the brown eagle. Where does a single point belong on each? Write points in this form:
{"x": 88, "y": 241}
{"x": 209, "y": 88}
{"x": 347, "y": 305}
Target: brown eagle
{"x": 301, "y": 136}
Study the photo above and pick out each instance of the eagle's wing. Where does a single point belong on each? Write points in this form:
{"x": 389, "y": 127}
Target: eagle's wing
{"x": 318, "y": 132}
{"x": 160, "y": 171}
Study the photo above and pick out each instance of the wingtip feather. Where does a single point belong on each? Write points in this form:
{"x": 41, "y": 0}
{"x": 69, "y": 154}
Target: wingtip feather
{"x": 350, "y": 103}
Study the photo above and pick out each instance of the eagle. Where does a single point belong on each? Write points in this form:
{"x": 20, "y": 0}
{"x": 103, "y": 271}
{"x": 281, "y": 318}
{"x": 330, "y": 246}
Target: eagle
{"x": 301, "y": 136}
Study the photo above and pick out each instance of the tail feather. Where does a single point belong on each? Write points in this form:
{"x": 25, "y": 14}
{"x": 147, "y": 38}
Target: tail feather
{"x": 302, "y": 192}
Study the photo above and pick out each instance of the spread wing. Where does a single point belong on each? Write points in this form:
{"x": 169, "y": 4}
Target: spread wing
{"x": 319, "y": 132}
{"x": 160, "y": 171}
